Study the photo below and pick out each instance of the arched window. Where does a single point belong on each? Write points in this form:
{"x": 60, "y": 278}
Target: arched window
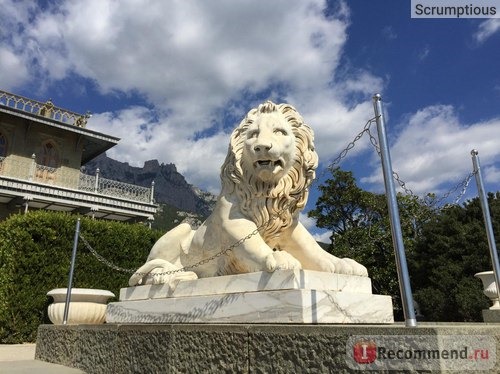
{"x": 50, "y": 156}
{"x": 47, "y": 164}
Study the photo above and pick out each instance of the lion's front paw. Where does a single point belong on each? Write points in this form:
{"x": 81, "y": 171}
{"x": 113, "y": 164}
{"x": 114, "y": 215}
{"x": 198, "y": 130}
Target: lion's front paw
{"x": 270, "y": 263}
{"x": 159, "y": 271}
{"x": 165, "y": 274}
{"x": 285, "y": 261}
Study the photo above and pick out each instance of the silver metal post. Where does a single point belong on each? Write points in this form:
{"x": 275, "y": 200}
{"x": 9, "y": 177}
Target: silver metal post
{"x": 487, "y": 218}
{"x": 397, "y": 236}
{"x": 71, "y": 271}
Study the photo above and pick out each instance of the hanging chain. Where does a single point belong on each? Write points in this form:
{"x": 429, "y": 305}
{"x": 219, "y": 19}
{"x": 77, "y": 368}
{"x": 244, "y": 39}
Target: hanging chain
{"x": 435, "y": 203}
{"x": 402, "y": 184}
{"x": 350, "y": 146}
{"x": 102, "y": 259}
{"x": 464, "y": 184}
{"x": 187, "y": 267}
{"x": 373, "y": 140}
{"x": 330, "y": 168}
{"x": 366, "y": 129}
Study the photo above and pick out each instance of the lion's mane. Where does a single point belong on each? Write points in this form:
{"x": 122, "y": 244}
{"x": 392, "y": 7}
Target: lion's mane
{"x": 271, "y": 205}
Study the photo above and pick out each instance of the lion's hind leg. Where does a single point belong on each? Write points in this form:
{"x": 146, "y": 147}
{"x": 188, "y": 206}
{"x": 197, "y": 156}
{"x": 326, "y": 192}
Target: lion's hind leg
{"x": 356, "y": 268}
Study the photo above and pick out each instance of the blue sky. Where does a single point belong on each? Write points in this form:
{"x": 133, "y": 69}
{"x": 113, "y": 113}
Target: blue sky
{"x": 172, "y": 78}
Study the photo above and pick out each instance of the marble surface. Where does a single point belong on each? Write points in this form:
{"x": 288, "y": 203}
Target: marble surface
{"x": 251, "y": 282}
{"x": 271, "y": 162}
{"x": 284, "y": 306}
{"x": 283, "y": 296}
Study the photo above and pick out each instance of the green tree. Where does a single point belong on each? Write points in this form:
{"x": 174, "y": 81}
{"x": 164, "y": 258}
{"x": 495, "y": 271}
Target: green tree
{"x": 35, "y": 256}
{"x": 453, "y": 247}
{"x": 344, "y": 206}
{"x": 361, "y": 229}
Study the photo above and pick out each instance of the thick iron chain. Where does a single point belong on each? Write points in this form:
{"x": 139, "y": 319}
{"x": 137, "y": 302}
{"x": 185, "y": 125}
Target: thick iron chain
{"x": 345, "y": 151}
{"x": 102, "y": 259}
{"x": 463, "y": 185}
{"x": 188, "y": 267}
{"x": 366, "y": 129}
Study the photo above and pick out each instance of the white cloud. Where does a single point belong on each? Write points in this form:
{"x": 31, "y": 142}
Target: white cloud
{"x": 434, "y": 148}
{"x": 14, "y": 48}
{"x": 492, "y": 174}
{"x": 143, "y": 135}
{"x": 193, "y": 60}
{"x": 310, "y": 224}
{"x": 323, "y": 237}
{"x": 12, "y": 70}
{"x": 486, "y": 29}
{"x": 190, "y": 59}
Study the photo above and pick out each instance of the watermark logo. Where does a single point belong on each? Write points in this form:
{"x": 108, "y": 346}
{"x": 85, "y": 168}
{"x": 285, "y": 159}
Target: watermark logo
{"x": 455, "y": 8}
{"x": 426, "y": 352}
{"x": 364, "y": 352}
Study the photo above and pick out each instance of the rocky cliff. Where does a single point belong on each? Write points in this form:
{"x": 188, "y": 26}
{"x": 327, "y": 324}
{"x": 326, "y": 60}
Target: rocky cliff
{"x": 170, "y": 186}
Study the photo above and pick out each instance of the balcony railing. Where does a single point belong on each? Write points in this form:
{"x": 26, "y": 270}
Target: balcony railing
{"x": 97, "y": 184}
{"x": 25, "y": 169}
{"x": 46, "y": 109}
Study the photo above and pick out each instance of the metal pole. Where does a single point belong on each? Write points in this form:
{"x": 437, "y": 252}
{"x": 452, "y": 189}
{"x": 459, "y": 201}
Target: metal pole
{"x": 487, "y": 218}
{"x": 71, "y": 270}
{"x": 397, "y": 236}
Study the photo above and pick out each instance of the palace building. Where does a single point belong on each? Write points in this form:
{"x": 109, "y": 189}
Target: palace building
{"x": 42, "y": 151}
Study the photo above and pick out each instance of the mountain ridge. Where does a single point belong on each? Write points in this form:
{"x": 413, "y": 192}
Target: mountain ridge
{"x": 170, "y": 186}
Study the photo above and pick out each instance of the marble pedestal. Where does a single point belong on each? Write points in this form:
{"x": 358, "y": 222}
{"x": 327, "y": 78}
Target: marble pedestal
{"x": 284, "y": 296}
{"x": 491, "y": 315}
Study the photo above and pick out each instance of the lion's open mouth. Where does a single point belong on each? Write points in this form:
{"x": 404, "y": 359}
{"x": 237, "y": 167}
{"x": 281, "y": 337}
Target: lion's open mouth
{"x": 269, "y": 163}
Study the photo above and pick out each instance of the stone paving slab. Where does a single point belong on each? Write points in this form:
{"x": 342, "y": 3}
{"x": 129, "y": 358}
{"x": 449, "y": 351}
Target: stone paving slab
{"x": 17, "y": 352}
{"x": 20, "y": 359}
{"x": 35, "y": 367}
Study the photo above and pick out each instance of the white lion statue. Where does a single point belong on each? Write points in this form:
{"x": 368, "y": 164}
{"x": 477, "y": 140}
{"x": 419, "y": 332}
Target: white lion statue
{"x": 255, "y": 225}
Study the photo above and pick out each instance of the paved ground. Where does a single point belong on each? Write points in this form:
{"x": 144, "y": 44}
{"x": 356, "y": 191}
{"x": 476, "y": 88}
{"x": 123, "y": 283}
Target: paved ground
{"x": 17, "y": 352}
{"x": 20, "y": 359}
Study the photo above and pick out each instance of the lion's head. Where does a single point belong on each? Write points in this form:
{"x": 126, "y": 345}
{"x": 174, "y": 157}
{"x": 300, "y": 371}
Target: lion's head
{"x": 270, "y": 163}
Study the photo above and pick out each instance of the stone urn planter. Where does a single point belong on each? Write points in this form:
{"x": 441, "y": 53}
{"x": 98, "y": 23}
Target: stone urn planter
{"x": 490, "y": 287}
{"x": 87, "y": 305}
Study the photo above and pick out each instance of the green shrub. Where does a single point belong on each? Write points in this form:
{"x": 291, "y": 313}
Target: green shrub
{"x": 35, "y": 256}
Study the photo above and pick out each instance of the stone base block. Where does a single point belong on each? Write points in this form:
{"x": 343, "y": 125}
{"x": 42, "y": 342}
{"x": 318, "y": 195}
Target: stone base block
{"x": 287, "y": 296}
{"x": 285, "y": 306}
{"x": 253, "y": 348}
{"x": 491, "y": 315}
